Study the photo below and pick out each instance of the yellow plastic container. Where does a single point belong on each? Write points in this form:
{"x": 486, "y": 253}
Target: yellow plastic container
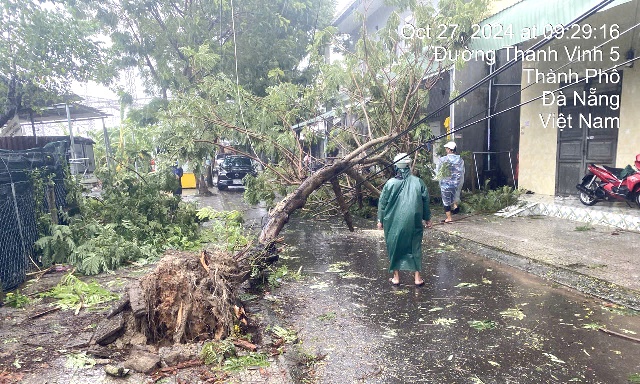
{"x": 188, "y": 180}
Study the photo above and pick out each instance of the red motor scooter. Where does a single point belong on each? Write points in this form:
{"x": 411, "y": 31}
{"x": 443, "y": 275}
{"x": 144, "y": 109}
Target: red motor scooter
{"x": 607, "y": 183}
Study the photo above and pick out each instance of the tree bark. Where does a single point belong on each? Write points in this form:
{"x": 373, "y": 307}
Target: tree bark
{"x": 279, "y": 215}
{"x": 11, "y": 104}
{"x": 341, "y": 203}
{"x": 362, "y": 182}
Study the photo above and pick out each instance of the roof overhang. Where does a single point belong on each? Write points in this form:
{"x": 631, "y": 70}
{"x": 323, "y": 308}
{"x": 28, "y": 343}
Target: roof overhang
{"x": 528, "y": 14}
{"x": 324, "y": 117}
{"x": 58, "y": 113}
{"x": 347, "y": 20}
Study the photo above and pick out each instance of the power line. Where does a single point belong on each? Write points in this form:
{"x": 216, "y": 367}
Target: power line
{"x": 551, "y": 71}
{"x": 507, "y": 65}
{"x": 490, "y": 76}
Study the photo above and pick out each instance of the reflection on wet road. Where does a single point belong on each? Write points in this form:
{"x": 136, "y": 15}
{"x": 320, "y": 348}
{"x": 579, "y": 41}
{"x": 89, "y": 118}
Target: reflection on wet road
{"x": 475, "y": 321}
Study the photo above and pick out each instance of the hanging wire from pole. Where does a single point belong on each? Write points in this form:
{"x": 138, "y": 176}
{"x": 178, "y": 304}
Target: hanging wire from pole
{"x": 497, "y": 114}
{"x": 475, "y": 86}
{"x": 235, "y": 55}
{"x": 467, "y": 122}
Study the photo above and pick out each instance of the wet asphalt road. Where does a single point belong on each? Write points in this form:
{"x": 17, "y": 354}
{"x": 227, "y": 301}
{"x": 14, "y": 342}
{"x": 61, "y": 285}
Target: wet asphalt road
{"x": 475, "y": 321}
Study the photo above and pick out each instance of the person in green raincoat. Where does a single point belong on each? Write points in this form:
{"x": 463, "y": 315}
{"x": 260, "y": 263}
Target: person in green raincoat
{"x": 403, "y": 208}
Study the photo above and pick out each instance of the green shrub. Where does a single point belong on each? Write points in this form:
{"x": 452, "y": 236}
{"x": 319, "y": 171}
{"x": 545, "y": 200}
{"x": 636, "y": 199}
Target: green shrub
{"x": 73, "y": 293}
{"x": 16, "y": 300}
{"x": 490, "y": 201}
{"x": 259, "y": 189}
{"x": 253, "y": 359}
{"x": 134, "y": 218}
{"x": 57, "y": 247}
{"x": 216, "y": 352}
{"x": 224, "y": 229}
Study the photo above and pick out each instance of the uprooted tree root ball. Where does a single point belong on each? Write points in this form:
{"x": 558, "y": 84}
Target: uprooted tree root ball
{"x": 189, "y": 297}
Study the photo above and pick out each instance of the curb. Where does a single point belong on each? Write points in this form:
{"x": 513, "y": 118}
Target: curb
{"x": 586, "y": 284}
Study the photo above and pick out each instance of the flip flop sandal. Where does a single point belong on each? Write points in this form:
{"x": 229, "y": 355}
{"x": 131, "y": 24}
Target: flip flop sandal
{"x": 394, "y": 284}
{"x": 420, "y": 284}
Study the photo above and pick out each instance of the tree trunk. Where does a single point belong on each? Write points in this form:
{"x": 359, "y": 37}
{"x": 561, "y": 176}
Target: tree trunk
{"x": 363, "y": 182}
{"x": 203, "y": 190}
{"x": 341, "y": 203}
{"x": 279, "y": 215}
{"x": 12, "y": 104}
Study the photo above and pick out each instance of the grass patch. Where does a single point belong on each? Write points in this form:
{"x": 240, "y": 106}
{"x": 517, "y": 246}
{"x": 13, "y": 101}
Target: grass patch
{"x": 584, "y": 228}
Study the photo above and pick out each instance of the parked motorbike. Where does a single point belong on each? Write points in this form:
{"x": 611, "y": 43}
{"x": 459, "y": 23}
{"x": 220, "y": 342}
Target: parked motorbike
{"x": 607, "y": 183}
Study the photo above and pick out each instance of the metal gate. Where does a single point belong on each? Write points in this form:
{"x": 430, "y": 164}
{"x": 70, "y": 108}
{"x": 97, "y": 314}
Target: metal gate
{"x": 583, "y": 144}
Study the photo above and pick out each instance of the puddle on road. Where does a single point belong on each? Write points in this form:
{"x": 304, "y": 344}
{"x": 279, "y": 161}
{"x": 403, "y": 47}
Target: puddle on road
{"x": 475, "y": 321}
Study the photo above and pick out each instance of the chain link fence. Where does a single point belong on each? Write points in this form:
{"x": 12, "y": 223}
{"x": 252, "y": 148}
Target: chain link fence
{"x": 19, "y": 207}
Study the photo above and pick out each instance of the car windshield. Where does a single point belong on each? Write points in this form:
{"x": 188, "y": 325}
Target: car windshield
{"x": 237, "y": 161}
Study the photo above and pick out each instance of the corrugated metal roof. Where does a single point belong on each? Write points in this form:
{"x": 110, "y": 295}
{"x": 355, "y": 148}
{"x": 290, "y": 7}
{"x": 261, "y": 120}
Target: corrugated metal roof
{"x": 528, "y": 14}
{"x": 21, "y": 143}
{"x": 58, "y": 113}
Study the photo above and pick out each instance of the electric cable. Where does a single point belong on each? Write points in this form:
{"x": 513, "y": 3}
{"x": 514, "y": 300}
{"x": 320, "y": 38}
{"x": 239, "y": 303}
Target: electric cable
{"x": 475, "y": 86}
{"x": 552, "y": 71}
{"x": 497, "y": 114}
{"x": 235, "y": 55}
{"x": 489, "y": 77}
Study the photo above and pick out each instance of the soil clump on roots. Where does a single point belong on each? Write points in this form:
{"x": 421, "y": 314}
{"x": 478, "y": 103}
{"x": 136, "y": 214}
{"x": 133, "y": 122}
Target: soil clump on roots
{"x": 189, "y": 297}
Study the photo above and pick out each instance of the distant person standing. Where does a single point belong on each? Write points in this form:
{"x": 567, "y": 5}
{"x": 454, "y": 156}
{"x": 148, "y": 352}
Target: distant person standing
{"x": 403, "y": 208}
{"x": 178, "y": 172}
{"x": 450, "y": 172}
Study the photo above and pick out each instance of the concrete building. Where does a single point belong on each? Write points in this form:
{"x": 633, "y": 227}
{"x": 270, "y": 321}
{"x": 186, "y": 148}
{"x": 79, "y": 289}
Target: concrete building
{"x": 595, "y": 122}
{"x": 531, "y": 146}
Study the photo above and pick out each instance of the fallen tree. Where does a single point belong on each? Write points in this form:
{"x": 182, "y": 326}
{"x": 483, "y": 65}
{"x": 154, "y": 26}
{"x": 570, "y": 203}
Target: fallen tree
{"x": 188, "y": 297}
{"x": 380, "y": 90}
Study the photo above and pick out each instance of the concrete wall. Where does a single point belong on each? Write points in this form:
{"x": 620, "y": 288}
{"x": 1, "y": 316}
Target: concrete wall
{"x": 538, "y": 145}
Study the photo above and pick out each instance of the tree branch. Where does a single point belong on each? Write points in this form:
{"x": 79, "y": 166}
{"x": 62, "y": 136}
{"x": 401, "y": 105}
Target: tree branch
{"x": 227, "y": 148}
